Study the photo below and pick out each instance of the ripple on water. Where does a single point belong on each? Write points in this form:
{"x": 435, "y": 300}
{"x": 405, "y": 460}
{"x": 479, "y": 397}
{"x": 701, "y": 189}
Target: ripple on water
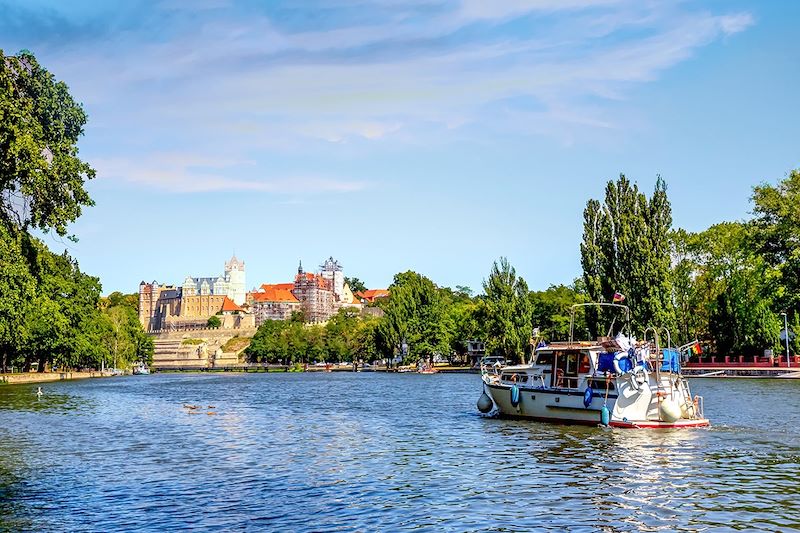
{"x": 379, "y": 452}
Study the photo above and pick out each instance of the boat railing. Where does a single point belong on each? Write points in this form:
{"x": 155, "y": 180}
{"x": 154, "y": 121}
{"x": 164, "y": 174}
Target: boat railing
{"x": 574, "y": 307}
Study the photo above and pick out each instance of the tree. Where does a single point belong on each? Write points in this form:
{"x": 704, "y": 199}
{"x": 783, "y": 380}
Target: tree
{"x": 41, "y": 177}
{"x": 355, "y": 284}
{"x": 506, "y": 312}
{"x": 414, "y": 312}
{"x": 625, "y": 249}
{"x": 776, "y": 229}
{"x": 551, "y": 312}
{"x": 213, "y": 322}
{"x": 735, "y": 288}
{"x": 17, "y": 291}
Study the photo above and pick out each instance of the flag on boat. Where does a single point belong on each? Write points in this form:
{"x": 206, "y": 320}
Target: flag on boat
{"x": 618, "y": 297}
{"x": 695, "y": 348}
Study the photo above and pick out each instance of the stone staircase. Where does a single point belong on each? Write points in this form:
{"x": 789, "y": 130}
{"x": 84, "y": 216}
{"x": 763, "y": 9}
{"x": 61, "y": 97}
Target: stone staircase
{"x": 172, "y": 354}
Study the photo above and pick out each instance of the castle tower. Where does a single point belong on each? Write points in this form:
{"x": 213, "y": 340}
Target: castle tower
{"x": 237, "y": 284}
{"x": 332, "y": 270}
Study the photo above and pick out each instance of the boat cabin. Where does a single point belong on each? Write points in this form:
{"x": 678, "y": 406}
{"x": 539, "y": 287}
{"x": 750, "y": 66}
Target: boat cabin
{"x": 559, "y": 366}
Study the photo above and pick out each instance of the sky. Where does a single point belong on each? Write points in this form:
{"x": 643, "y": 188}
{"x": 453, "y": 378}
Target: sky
{"x": 425, "y": 135}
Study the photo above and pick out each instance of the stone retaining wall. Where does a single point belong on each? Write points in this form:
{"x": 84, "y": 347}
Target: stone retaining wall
{"x": 43, "y": 377}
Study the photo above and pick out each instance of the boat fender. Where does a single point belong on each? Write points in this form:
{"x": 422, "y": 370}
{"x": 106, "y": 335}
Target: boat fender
{"x": 514, "y": 395}
{"x": 605, "y": 416}
{"x": 485, "y": 403}
{"x": 587, "y": 396}
{"x": 669, "y": 410}
{"x": 618, "y": 362}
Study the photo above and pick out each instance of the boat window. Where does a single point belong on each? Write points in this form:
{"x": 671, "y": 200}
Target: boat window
{"x": 583, "y": 365}
{"x": 521, "y": 378}
{"x": 545, "y": 358}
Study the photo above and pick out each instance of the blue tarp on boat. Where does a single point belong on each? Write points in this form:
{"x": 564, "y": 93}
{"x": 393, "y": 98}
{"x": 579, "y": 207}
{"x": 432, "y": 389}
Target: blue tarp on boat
{"x": 672, "y": 361}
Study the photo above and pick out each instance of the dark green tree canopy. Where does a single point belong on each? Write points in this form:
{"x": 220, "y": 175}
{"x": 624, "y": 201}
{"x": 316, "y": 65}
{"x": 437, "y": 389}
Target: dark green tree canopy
{"x": 41, "y": 177}
{"x": 356, "y": 285}
{"x": 626, "y": 249}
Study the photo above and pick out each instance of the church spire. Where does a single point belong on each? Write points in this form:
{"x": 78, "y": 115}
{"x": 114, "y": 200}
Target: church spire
{"x": 300, "y": 267}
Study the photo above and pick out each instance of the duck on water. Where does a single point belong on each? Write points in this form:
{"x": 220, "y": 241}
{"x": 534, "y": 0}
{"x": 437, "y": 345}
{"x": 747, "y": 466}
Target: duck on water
{"x": 616, "y": 382}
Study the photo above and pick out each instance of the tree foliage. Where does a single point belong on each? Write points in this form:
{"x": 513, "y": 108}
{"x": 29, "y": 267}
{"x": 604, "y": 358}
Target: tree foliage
{"x": 626, "y": 249}
{"x": 41, "y": 177}
{"x": 355, "y": 284}
{"x": 506, "y": 312}
{"x": 51, "y": 313}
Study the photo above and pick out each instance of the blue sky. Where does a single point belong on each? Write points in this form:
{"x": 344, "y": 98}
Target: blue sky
{"x": 432, "y": 135}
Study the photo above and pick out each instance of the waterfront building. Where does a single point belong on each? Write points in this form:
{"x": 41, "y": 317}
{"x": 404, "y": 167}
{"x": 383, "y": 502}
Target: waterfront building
{"x": 318, "y": 295}
{"x": 195, "y": 300}
{"x": 273, "y": 302}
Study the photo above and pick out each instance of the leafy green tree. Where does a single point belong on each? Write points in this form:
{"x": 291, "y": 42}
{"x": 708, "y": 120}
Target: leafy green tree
{"x": 735, "y": 290}
{"x": 625, "y": 249}
{"x": 506, "y": 312}
{"x": 355, "y": 284}
{"x": 17, "y": 291}
{"x": 551, "y": 312}
{"x": 414, "y": 312}
{"x": 213, "y": 322}
{"x": 776, "y": 229}
{"x": 41, "y": 177}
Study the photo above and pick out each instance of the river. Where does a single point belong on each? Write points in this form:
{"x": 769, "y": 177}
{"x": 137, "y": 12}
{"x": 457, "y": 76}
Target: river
{"x": 380, "y": 452}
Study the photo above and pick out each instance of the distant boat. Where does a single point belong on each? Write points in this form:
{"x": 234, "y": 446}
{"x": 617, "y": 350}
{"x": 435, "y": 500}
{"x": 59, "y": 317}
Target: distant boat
{"x": 140, "y": 369}
{"x": 427, "y": 369}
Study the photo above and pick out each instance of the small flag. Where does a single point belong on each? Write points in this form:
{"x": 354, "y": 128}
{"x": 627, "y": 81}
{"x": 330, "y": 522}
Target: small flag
{"x": 696, "y": 349}
{"x": 618, "y": 297}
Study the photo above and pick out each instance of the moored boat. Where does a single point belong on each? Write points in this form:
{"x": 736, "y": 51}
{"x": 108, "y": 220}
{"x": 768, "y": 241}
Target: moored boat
{"x": 616, "y": 382}
{"x": 140, "y": 369}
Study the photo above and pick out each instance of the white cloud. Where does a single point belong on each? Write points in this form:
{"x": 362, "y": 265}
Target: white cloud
{"x": 198, "y": 172}
{"x": 246, "y": 86}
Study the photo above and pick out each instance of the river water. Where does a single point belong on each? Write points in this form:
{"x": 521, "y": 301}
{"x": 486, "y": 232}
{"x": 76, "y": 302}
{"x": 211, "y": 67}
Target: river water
{"x": 380, "y": 452}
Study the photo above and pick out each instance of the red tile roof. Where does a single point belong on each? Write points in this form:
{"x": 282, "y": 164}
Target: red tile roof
{"x": 370, "y": 294}
{"x": 230, "y": 305}
{"x": 274, "y": 293}
{"x": 280, "y": 286}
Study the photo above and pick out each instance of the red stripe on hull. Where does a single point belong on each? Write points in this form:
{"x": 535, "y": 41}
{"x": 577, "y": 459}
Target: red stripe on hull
{"x": 660, "y": 425}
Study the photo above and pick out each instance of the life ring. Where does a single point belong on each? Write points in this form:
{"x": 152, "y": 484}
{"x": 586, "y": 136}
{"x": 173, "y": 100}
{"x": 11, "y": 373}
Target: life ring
{"x": 617, "y": 359}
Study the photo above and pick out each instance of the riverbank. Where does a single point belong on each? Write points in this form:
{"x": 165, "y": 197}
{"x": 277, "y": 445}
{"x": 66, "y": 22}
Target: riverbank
{"x": 256, "y": 368}
{"x": 18, "y": 378}
{"x": 741, "y": 372}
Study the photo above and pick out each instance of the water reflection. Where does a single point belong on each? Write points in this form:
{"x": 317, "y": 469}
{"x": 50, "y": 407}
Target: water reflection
{"x": 25, "y": 398}
{"x": 378, "y": 452}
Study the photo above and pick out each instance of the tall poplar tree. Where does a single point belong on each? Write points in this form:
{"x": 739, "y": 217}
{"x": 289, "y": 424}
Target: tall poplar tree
{"x": 625, "y": 249}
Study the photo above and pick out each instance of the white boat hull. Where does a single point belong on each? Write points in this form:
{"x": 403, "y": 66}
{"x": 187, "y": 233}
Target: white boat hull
{"x": 629, "y": 408}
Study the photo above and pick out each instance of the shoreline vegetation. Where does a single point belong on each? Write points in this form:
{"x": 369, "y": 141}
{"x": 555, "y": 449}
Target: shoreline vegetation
{"x": 727, "y": 286}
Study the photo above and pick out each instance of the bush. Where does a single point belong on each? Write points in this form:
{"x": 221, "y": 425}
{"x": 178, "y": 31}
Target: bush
{"x": 214, "y": 322}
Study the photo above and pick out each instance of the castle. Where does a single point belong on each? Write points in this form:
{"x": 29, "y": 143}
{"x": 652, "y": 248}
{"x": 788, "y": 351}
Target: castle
{"x": 191, "y": 304}
{"x": 318, "y": 296}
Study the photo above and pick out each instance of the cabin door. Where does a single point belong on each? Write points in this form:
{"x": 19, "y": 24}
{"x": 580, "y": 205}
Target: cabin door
{"x": 565, "y": 370}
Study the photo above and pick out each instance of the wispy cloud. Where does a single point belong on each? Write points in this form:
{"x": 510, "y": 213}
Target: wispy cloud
{"x": 197, "y": 173}
{"x": 251, "y": 84}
